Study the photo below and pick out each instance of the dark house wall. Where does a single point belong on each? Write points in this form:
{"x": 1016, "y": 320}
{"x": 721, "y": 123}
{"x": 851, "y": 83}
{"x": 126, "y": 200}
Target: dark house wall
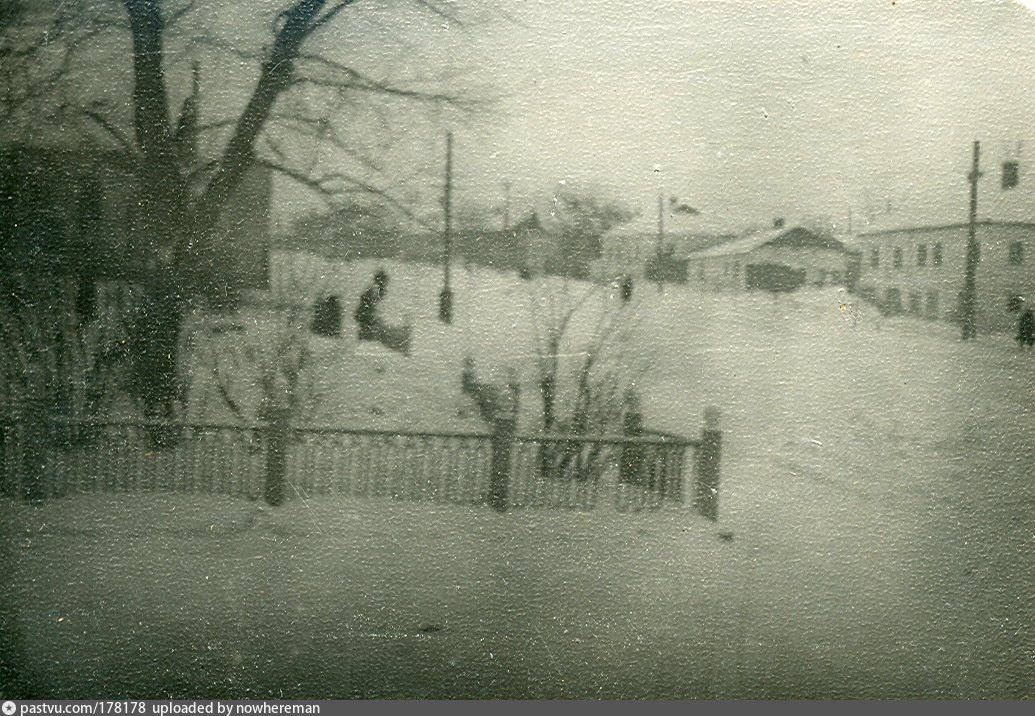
{"x": 72, "y": 213}
{"x": 61, "y": 212}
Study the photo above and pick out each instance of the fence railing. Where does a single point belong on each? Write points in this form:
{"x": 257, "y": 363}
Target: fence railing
{"x": 561, "y": 471}
{"x": 275, "y": 461}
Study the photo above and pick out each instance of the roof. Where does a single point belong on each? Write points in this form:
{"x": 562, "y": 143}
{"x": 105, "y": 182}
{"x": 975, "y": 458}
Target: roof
{"x": 944, "y": 227}
{"x": 677, "y": 225}
{"x": 782, "y": 237}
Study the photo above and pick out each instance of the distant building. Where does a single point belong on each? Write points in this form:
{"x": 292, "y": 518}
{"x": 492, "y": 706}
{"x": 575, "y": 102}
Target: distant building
{"x": 920, "y": 271}
{"x": 657, "y": 248}
{"x": 526, "y": 245}
{"x": 778, "y": 259}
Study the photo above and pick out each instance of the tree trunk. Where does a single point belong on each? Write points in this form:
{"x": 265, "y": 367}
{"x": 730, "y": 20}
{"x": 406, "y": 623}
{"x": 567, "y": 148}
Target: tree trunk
{"x": 154, "y": 344}
{"x": 546, "y": 388}
{"x": 175, "y": 231}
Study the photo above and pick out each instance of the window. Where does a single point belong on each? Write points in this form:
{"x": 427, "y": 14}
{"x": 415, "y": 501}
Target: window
{"x": 892, "y": 301}
{"x": 896, "y": 257}
{"x": 874, "y": 257}
{"x": 936, "y": 257}
{"x": 921, "y": 255}
{"x": 932, "y": 303}
{"x": 1016, "y": 257}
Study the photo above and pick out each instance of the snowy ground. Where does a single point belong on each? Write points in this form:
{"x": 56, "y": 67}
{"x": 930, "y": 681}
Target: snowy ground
{"x": 878, "y": 481}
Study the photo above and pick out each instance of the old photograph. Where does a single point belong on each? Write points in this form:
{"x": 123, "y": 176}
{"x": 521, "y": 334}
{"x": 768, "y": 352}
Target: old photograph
{"x": 477, "y": 349}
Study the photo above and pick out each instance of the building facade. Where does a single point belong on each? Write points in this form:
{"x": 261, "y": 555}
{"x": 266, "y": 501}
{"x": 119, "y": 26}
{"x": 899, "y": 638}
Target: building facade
{"x": 780, "y": 259}
{"x": 920, "y": 271}
{"x": 655, "y": 246}
{"x": 643, "y": 256}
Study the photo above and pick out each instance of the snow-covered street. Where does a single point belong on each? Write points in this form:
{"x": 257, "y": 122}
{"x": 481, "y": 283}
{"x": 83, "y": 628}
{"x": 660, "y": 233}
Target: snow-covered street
{"x": 877, "y": 520}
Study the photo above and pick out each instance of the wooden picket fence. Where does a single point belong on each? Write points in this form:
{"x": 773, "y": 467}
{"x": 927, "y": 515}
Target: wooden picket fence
{"x": 51, "y": 458}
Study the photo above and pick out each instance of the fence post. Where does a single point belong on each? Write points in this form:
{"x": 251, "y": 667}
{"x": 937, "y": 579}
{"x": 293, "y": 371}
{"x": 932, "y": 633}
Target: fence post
{"x": 34, "y": 436}
{"x": 276, "y": 455}
{"x": 498, "y": 405}
{"x": 706, "y": 473}
{"x": 503, "y": 429}
{"x": 633, "y": 456}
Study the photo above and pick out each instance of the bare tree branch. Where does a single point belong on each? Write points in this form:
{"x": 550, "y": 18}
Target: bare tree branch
{"x": 111, "y": 129}
{"x": 178, "y": 14}
{"x": 353, "y": 79}
{"x": 331, "y": 186}
{"x": 322, "y": 129}
{"x": 329, "y": 15}
{"x": 435, "y": 9}
{"x": 275, "y": 77}
{"x": 321, "y": 185}
{"x": 217, "y": 43}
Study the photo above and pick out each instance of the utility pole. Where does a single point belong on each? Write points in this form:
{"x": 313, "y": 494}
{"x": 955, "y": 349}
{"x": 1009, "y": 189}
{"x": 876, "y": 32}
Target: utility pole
{"x": 506, "y": 205}
{"x": 968, "y": 301}
{"x": 445, "y": 299}
{"x": 658, "y": 271}
{"x": 661, "y": 221}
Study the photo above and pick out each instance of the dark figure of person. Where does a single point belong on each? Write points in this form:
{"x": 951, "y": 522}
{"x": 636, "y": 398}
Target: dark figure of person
{"x": 371, "y": 326}
{"x": 1026, "y": 329}
{"x": 327, "y": 317}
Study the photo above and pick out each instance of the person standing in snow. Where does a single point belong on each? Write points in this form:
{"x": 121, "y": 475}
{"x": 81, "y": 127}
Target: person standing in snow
{"x": 371, "y": 326}
{"x": 1026, "y": 329}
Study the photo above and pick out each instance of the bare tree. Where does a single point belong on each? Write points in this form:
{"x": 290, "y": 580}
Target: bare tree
{"x": 584, "y": 215}
{"x": 588, "y": 364}
{"x": 586, "y": 353}
{"x": 304, "y": 95}
{"x": 257, "y": 374}
{"x": 277, "y": 367}
{"x": 51, "y": 356}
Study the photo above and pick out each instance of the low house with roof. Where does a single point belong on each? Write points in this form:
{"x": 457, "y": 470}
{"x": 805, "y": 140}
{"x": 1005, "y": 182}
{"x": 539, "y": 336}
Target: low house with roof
{"x": 656, "y": 245}
{"x": 350, "y": 236}
{"x": 920, "y": 270}
{"x": 777, "y": 259}
{"x": 527, "y": 245}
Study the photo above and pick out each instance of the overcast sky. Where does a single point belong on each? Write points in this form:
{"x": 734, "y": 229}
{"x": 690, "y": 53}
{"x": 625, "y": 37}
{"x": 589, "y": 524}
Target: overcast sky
{"x": 752, "y": 110}
{"x": 745, "y": 109}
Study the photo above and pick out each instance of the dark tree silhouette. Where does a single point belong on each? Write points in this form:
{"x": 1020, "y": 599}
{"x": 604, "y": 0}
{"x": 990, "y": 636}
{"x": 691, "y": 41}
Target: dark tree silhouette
{"x": 181, "y": 197}
{"x": 584, "y": 217}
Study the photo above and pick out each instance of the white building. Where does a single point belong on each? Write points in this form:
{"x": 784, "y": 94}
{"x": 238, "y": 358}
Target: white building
{"x": 781, "y": 258}
{"x": 920, "y": 270}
